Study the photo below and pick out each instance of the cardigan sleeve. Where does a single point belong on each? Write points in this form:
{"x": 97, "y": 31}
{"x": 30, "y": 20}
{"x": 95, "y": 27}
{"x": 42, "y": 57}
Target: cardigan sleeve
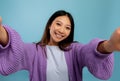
{"x": 100, "y": 65}
{"x": 12, "y": 56}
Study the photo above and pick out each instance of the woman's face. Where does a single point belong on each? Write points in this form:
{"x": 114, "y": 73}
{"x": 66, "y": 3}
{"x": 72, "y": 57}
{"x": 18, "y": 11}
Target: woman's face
{"x": 59, "y": 30}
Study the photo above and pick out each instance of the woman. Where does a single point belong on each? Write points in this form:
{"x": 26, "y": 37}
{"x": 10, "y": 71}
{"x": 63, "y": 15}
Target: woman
{"x": 57, "y": 57}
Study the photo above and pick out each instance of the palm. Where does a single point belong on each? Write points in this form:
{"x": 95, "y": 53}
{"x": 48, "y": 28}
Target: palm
{"x": 115, "y": 40}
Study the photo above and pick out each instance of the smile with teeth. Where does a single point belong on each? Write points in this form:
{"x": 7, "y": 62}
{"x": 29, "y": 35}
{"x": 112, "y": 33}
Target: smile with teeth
{"x": 59, "y": 35}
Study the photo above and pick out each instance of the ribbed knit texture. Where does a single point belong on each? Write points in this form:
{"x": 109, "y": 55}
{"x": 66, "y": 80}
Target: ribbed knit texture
{"x": 17, "y": 55}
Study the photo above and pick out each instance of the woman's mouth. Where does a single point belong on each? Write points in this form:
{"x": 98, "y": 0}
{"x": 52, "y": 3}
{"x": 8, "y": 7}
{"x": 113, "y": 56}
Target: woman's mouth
{"x": 59, "y": 36}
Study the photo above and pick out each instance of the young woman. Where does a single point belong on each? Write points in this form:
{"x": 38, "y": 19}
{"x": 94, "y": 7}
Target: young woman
{"x": 57, "y": 57}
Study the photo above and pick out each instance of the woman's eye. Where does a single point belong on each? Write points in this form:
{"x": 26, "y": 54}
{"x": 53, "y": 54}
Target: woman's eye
{"x": 58, "y": 24}
{"x": 68, "y": 28}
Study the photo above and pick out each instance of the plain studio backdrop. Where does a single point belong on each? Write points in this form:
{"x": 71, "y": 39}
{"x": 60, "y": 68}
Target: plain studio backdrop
{"x": 93, "y": 19}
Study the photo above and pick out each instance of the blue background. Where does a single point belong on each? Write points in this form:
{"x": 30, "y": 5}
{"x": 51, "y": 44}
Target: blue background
{"x": 93, "y": 18}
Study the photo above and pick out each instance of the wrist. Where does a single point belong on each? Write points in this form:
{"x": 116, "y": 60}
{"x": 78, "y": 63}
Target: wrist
{"x": 3, "y": 36}
{"x": 107, "y": 46}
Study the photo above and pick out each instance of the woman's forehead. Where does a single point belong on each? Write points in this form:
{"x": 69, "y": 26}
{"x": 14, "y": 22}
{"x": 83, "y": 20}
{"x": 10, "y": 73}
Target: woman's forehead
{"x": 63, "y": 19}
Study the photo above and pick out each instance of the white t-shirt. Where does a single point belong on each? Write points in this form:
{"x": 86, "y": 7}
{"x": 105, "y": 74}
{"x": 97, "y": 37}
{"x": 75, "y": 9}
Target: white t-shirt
{"x": 56, "y": 64}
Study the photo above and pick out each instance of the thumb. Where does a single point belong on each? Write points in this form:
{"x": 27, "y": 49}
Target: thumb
{"x": 0, "y": 20}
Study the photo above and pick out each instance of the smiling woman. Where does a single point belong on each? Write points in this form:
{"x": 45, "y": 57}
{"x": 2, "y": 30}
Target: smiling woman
{"x": 57, "y": 49}
{"x": 59, "y": 30}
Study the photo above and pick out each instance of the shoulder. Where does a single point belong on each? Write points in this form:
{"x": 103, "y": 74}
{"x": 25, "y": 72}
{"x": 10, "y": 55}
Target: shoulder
{"x": 33, "y": 49}
{"x": 75, "y": 46}
{"x": 78, "y": 45}
{"x": 32, "y": 46}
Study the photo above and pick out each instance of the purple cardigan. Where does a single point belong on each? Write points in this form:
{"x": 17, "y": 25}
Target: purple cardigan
{"x": 17, "y": 55}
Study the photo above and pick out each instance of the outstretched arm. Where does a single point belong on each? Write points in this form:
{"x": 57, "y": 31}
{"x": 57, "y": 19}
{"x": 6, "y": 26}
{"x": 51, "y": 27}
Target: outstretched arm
{"x": 113, "y": 44}
{"x": 3, "y": 34}
{"x": 102, "y": 65}
{"x": 14, "y": 53}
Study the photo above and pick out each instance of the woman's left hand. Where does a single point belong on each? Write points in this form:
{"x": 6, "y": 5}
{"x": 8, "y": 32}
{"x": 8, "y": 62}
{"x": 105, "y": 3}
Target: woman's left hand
{"x": 113, "y": 44}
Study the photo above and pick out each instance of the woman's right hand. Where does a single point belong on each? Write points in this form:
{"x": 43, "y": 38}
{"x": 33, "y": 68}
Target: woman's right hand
{"x": 0, "y": 28}
{"x": 0, "y": 22}
{"x": 3, "y": 34}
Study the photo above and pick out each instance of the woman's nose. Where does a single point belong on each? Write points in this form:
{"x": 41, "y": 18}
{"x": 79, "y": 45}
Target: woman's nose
{"x": 61, "y": 30}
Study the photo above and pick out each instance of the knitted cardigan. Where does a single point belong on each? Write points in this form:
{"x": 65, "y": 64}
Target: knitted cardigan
{"x": 17, "y": 55}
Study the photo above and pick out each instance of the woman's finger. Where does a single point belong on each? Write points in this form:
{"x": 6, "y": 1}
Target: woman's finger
{"x": 0, "y": 21}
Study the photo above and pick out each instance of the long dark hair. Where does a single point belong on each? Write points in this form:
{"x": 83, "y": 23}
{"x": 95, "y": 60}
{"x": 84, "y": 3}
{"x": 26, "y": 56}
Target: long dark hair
{"x": 46, "y": 36}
